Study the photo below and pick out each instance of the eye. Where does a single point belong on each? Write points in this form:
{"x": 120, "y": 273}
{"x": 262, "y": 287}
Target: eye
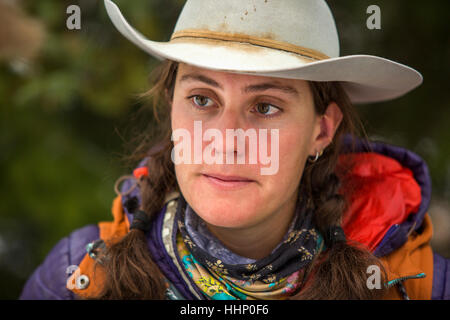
{"x": 267, "y": 109}
{"x": 200, "y": 101}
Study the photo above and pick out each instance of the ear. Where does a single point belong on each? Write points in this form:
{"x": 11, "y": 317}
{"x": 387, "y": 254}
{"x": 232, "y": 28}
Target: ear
{"x": 327, "y": 125}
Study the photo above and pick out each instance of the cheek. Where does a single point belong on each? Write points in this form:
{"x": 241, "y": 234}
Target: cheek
{"x": 297, "y": 137}
{"x": 178, "y": 115}
{"x": 292, "y": 156}
{"x": 293, "y": 148}
{"x": 180, "y": 120}
{"x": 183, "y": 174}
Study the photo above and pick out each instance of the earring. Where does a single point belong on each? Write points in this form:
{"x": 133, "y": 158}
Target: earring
{"x": 316, "y": 157}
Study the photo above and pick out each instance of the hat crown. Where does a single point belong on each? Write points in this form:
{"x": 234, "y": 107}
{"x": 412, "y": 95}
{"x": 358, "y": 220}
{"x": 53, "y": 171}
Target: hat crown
{"x": 305, "y": 23}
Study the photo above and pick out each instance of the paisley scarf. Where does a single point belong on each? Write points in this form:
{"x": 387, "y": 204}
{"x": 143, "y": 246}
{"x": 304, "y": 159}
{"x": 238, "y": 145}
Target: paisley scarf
{"x": 276, "y": 276}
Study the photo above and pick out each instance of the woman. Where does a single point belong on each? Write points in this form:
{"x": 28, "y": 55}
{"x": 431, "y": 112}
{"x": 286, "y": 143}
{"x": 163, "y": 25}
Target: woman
{"x": 259, "y": 187}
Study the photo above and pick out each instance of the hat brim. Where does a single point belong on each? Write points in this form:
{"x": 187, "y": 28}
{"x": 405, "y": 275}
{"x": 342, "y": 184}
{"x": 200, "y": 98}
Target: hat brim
{"x": 365, "y": 78}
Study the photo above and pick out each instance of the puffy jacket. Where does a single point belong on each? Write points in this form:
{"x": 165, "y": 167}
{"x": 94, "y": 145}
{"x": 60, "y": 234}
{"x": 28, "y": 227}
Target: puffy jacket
{"x": 391, "y": 190}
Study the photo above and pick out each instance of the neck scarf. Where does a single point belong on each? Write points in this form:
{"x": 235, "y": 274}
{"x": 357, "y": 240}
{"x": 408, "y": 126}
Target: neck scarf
{"x": 201, "y": 236}
{"x": 276, "y": 276}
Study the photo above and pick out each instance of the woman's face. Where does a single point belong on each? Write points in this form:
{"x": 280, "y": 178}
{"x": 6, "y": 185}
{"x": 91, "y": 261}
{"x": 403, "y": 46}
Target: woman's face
{"x": 234, "y": 194}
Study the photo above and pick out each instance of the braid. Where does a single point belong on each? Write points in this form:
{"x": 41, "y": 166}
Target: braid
{"x": 130, "y": 271}
{"x": 341, "y": 271}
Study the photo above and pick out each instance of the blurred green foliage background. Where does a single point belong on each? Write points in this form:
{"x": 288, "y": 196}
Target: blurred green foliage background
{"x": 67, "y": 96}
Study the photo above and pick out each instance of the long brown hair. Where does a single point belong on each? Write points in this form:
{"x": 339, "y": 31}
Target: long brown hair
{"x": 337, "y": 273}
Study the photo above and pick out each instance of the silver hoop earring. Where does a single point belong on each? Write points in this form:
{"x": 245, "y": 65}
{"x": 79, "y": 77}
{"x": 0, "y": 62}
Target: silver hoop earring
{"x": 316, "y": 157}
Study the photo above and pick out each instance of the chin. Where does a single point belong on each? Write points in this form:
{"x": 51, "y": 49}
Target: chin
{"x": 230, "y": 210}
{"x": 224, "y": 205}
{"x": 227, "y": 215}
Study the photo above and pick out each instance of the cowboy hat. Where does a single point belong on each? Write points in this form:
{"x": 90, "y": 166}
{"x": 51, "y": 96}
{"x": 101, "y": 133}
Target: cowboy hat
{"x": 294, "y": 39}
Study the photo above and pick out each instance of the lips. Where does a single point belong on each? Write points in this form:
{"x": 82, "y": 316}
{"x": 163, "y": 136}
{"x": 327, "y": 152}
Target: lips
{"x": 227, "y": 178}
{"x": 227, "y": 182}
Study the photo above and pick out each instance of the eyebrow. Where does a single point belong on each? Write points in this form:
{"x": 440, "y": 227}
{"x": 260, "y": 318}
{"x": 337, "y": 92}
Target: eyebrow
{"x": 251, "y": 88}
{"x": 201, "y": 78}
{"x": 266, "y": 86}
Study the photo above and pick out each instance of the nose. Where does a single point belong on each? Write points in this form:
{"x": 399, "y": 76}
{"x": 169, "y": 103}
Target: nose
{"x": 233, "y": 146}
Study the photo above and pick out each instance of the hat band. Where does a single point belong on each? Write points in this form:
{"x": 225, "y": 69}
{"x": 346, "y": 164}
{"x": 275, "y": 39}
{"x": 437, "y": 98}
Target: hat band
{"x": 263, "y": 42}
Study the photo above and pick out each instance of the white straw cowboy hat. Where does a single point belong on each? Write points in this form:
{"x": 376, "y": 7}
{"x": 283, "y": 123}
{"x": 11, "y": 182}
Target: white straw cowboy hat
{"x": 295, "y": 39}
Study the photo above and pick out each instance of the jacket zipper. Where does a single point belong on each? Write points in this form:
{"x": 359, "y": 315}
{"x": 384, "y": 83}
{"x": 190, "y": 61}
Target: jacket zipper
{"x": 395, "y": 281}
